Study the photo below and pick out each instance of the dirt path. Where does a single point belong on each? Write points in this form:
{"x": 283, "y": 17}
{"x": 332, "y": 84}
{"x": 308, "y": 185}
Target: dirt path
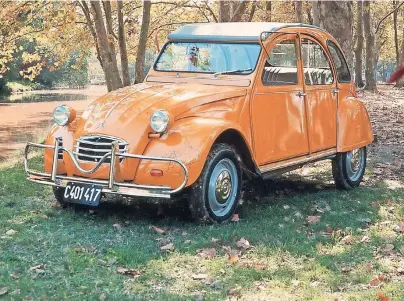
{"x": 21, "y": 122}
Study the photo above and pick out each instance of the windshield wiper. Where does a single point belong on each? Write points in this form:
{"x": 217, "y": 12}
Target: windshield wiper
{"x": 231, "y": 71}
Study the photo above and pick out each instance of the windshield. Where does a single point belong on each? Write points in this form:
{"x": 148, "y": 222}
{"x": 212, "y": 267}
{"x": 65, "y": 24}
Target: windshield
{"x": 208, "y": 57}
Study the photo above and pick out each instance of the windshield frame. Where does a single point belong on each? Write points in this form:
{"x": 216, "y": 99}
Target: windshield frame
{"x": 211, "y": 42}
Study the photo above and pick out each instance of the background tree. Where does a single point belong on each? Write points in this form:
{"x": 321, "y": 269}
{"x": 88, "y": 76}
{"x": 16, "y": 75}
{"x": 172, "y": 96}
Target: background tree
{"x": 359, "y": 44}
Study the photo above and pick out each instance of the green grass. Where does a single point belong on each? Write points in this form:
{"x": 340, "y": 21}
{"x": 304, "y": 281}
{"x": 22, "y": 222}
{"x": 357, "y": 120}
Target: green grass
{"x": 290, "y": 259}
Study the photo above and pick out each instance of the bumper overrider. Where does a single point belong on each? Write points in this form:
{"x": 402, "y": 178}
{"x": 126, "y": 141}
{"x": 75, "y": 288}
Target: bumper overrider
{"x": 110, "y": 186}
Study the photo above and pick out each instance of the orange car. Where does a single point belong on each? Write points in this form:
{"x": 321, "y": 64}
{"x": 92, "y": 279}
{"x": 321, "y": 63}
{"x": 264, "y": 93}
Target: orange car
{"x": 222, "y": 101}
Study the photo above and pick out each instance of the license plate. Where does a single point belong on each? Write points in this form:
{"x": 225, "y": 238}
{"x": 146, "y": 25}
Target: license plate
{"x": 87, "y": 194}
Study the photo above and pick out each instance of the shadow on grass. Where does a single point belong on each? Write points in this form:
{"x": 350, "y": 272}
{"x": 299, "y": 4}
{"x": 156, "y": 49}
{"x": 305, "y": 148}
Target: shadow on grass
{"x": 276, "y": 226}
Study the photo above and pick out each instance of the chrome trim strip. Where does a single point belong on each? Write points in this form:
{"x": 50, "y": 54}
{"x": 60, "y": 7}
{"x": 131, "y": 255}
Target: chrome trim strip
{"x": 101, "y": 150}
{"x": 297, "y": 162}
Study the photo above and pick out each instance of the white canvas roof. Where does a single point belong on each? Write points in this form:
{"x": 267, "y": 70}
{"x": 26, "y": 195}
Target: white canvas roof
{"x": 230, "y": 31}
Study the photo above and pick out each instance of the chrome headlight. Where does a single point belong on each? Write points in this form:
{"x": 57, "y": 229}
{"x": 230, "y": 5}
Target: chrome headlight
{"x": 62, "y": 115}
{"x": 159, "y": 121}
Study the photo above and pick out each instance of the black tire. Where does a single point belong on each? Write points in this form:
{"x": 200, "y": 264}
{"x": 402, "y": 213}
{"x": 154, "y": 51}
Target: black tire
{"x": 344, "y": 176}
{"x": 200, "y": 204}
{"x": 58, "y": 193}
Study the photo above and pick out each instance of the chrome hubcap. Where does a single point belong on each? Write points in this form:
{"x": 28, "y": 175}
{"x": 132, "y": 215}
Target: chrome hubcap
{"x": 355, "y": 162}
{"x": 223, "y": 187}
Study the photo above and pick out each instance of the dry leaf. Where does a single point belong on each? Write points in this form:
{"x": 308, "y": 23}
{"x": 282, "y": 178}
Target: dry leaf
{"x": 375, "y": 282}
{"x": 168, "y": 248}
{"x": 188, "y": 241}
{"x": 11, "y": 232}
{"x": 348, "y": 240}
{"x": 102, "y": 297}
{"x": 207, "y": 253}
{"x": 37, "y": 267}
{"x": 381, "y": 296}
{"x": 329, "y": 230}
{"x": 117, "y": 226}
{"x": 400, "y": 227}
{"x": 130, "y": 272}
{"x": 402, "y": 249}
{"x": 234, "y": 291}
{"x": 388, "y": 248}
{"x": 235, "y": 218}
{"x": 158, "y": 230}
{"x": 215, "y": 239}
{"x": 260, "y": 267}
{"x": 44, "y": 216}
{"x": 365, "y": 239}
{"x": 233, "y": 259}
{"x": 79, "y": 250}
{"x": 3, "y": 291}
{"x": 15, "y": 276}
{"x": 199, "y": 276}
{"x": 54, "y": 204}
{"x": 314, "y": 219}
{"x": 243, "y": 244}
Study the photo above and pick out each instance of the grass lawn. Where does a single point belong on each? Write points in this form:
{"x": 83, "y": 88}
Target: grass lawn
{"x": 304, "y": 241}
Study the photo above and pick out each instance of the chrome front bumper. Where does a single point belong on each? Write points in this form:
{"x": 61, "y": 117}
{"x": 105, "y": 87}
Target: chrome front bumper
{"x": 109, "y": 186}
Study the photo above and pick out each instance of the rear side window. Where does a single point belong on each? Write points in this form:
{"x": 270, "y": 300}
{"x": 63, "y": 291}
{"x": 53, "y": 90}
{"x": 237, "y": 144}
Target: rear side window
{"x": 340, "y": 64}
{"x": 280, "y": 68}
{"x": 316, "y": 66}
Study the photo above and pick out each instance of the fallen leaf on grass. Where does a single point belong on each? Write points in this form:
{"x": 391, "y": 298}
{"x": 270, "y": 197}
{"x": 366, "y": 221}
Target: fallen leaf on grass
{"x": 365, "y": 239}
{"x": 400, "y": 227}
{"x": 233, "y": 259}
{"x": 234, "y": 291}
{"x": 402, "y": 249}
{"x": 157, "y": 229}
{"x": 381, "y": 296}
{"x": 388, "y": 248}
{"x": 79, "y": 250}
{"x": 188, "y": 241}
{"x": 54, "y": 204}
{"x": 207, "y": 253}
{"x": 14, "y": 276}
{"x": 117, "y": 226}
{"x": 130, "y": 272}
{"x": 348, "y": 240}
{"x": 11, "y": 232}
{"x": 44, "y": 216}
{"x": 199, "y": 276}
{"x": 314, "y": 219}
{"x": 377, "y": 281}
{"x": 102, "y": 297}
{"x": 168, "y": 248}
{"x": 243, "y": 243}
{"x": 3, "y": 291}
{"x": 215, "y": 239}
{"x": 235, "y": 218}
{"x": 37, "y": 267}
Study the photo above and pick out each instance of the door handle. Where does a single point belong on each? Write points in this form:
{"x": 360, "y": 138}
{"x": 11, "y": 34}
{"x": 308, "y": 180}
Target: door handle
{"x": 335, "y": 91}
{"x": 301, "y": 94}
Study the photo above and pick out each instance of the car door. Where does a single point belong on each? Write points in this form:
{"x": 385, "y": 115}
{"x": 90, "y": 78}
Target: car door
{"x": 278, "y": 112}
{"x": 321, "y": 95}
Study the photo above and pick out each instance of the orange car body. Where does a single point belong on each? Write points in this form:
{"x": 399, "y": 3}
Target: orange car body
{"x": 275, "y": 127}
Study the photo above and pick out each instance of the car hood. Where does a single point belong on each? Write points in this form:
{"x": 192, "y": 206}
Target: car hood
{"x": 128, "y": 106}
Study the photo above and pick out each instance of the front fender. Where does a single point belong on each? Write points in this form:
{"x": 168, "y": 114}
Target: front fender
{"x": 354, "y": 128}
{"x": 189, "y": 141}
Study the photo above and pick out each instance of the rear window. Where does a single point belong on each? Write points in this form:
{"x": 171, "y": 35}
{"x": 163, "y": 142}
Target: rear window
{"x": 341, "y": 66}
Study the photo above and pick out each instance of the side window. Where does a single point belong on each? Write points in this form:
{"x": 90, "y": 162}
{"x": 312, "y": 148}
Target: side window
{"x": 343, "y": 74}
{"x": 281, "y": 68}
{"x": 316, "y": 66}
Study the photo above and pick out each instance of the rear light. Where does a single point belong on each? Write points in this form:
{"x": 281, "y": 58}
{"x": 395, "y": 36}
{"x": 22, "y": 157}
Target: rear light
{"x": 156, "y": 172}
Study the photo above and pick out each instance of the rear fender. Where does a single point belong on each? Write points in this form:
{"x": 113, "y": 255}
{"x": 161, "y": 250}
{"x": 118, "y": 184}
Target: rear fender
{"x": 189, "y": 141}
{"x": 354, "y": 128}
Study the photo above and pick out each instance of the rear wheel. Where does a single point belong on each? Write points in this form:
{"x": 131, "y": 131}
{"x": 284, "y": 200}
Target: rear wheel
{"x": 215, "y": 195}
{"x": 348, "y": 168}
{"x": 58, "y": 193}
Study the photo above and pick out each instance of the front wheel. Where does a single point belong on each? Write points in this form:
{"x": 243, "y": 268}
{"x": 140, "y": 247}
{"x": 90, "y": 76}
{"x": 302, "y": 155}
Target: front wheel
{"x": 348, "y": 168}
{"x": 215, "y": 195}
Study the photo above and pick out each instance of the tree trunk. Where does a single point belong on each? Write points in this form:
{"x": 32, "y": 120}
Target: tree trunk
{"x": 337, "y": 18}
{"x": 122, "y": 46}
{"x": 268, "y": 11}
{"x": 370, "y": 44}
{"x": 224, "y": 11}
{"x": 395, "y": 16}
{"x": 141, "y": 49}
{"x": 238, "y": 10}
{"x": 110, "y": 69}
{"x": 309, "y": 16}
{"x": 359, "y": 45}
{"x": 298, "y": 10}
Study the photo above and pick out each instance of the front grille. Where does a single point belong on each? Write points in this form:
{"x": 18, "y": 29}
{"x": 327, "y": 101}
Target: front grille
{"x": 92, "y": 148}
